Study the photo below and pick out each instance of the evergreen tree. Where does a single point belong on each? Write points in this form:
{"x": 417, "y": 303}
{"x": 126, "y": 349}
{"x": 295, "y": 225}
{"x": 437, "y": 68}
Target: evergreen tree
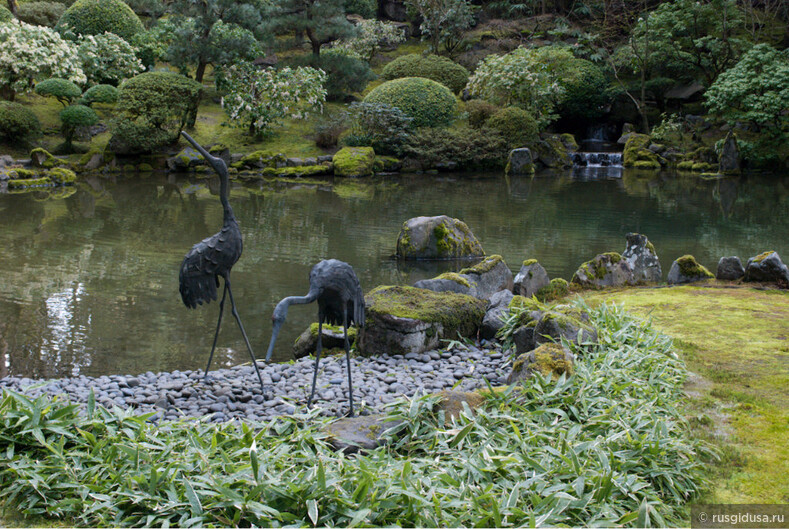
{"x": 322, "y": 21}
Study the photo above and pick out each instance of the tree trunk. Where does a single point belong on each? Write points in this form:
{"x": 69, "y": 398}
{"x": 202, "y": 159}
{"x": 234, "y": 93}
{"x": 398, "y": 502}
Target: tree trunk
{"x": 7, "y": 93}
{"x": 13, "y": 6}
{"x": 200, "y": 72}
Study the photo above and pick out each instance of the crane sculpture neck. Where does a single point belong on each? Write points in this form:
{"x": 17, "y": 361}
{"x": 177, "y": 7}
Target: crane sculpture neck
{"x": 219, "y": 166}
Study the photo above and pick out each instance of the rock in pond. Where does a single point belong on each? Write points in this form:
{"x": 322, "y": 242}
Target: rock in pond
{"x": 729, "y": 269}
{"x": 643, "y": 260}
{"x": 605, "y": 270}
{"x": 401, "y": 320}
{"x": 687, "y": 270}
{"x": 520, "y": 162}
{"x": 482, "y": 280}
{"x": 438, "y": 237}
{"x": 184, "y": 160}
{"x": 729, "y": 158}
{"x": 549, "y": 359}
{"x": 531, "y": 278}
{"x": 767, "y": 267}
{"x": 354, "y": 162}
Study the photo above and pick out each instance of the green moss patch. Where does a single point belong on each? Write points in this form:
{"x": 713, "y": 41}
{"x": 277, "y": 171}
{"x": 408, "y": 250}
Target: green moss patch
{"x": 484, "y": 266}
{"x": 689, "y": 267}
{"x": 354, "y": 161}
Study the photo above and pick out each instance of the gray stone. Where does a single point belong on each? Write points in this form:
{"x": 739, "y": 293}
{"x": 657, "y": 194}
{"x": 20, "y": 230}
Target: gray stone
{"x": 605, "y": 270}
{"x": 439, "y": 284}
{"x": 687, "y": 270}
{"x": 531, "y": 278}
{"x": 554, "y": 326}
{"x": 551, "y": 152}
{"x": 438, "y": 237}
{"x": 520, "y": 162}
{"x": 730, "y": 269}
{"x": 767, "y": 268}
{"x": 640, "y": 255}
{"x": 549, "y": 359}
{"x": 524, "y": 339}
{"x": 482, "y": 280}
{"x": 729, "y": 158}
{"x": 494, "y": 317}
{"x": 6, "y": 160}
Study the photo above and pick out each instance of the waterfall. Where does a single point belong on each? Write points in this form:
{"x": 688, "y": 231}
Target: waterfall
{"x": 597, "y": 159}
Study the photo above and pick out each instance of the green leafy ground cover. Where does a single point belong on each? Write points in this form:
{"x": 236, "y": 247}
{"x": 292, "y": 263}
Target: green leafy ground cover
{"x": 737, "y": 339}
{"x": 607, "y": 446}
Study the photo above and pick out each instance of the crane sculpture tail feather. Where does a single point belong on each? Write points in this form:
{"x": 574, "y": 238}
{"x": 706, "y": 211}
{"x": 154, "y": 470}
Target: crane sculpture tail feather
{"x": 197, "y": 289}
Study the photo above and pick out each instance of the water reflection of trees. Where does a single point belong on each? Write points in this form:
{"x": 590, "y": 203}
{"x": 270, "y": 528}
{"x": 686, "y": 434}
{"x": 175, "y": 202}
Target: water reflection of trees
{"x": 107, "y": 257}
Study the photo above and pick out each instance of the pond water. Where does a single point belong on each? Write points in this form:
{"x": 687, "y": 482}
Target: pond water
{"x": 90, "y": 279}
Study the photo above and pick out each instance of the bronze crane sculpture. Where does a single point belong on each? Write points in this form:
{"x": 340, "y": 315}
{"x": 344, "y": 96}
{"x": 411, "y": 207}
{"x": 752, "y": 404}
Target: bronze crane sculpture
{"x": 213, "y": 258}
{"x": 340, "y": 300}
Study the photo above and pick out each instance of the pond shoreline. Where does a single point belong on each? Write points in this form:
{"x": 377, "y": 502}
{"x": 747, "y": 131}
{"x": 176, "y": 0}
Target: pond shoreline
{"x": 235, "y": 393}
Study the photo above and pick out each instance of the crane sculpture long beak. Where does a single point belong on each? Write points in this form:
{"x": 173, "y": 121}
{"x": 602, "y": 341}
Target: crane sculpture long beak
{"x": 217, "y": 163}
{"x": 277, "y": 325}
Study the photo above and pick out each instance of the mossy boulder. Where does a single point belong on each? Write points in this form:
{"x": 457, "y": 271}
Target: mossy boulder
{"x": 556, "y": 289}
{"x": 401, "y": 319}
{"x": 551, "y": 151}
{"x": 564, "y": 322}
{"x": 498, "y": 310}
{"x": 387, "y": 164}
{"x": 62, "y": 176}
{"x": 642, "y": 258}
{"x": 687, "y": 270}
{"x": 439, "y": 237}
{"x": 187, "y": 159}
{"x": 638, "y": 155}
{"x": 332, "y": 337}
{"x": 261, "y": 160}
{"x": 354, "y": 162}
{"x": 351, "y": 435}
{"x": 520, "y": 162}
{"x": 42, "y": 158}
{"x": 605, "y": 270}
{"x": 21, "y": 183}
{"x": 482, "y": 280}
{"x": 767, "y": 267}
{"x": 548, "y": 359}
{"x": 531, "y": 278}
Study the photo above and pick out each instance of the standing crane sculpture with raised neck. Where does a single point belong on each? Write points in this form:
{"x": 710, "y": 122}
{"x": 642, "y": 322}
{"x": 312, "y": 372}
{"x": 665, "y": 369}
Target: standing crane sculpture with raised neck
{"x": 334, "y": 285}
{"x": 213, "y": 258}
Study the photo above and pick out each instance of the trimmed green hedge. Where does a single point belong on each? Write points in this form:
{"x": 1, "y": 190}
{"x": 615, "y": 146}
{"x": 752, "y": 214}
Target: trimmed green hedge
{"x": 430, "y": 103}
{"x": 41, "y": 13}
{"x": 92, "y": 17}
{"x": 61, "y": 89}
{"x": 101, "y": 93}
{"x": 5, "y": 14}
{"x": 17, "y": 122}
{"x": 516, "y": 125}
{"x": 439, "y": 69}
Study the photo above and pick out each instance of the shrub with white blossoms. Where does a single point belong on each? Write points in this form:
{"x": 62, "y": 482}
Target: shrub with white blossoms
{"x": 372, "y": 36}
{"x": 259, "y": 99}
{"x": 108, "y": 59}
{"x": 31, "y": 53}
{"x": 520, "y": 79}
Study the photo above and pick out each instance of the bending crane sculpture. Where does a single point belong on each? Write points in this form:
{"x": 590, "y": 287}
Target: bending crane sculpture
{"x": 213, "y": 258}
{"x": 340, "y": 300}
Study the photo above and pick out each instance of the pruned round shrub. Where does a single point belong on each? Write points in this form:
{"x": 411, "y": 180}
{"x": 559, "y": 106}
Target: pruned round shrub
{"x": 94, "y": 17}
{"x": 479, "y": 111}
{"x": 76, "y": 116}
{"x": 61, "y": 89}
{"x": 101, "y": 93}
{"x": 41, "y": 13}
{"x": 5, "y": 14}
{"x": 17, "y": 122}
{"x": 429, "y": 103}
{"x": 439, "y": 69}
{"x": 516, "y": 125}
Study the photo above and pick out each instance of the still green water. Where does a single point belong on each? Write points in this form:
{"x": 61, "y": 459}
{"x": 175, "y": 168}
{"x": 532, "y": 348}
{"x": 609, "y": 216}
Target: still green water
{"x": 90, "y": 280}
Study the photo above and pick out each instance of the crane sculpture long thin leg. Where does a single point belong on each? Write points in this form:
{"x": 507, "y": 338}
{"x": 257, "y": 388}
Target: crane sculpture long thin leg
{"x": 216, "y": 334}
{"x": 317, "y": 358}
{"x": 348, "y": 359}
{"x": 243, "y": 333}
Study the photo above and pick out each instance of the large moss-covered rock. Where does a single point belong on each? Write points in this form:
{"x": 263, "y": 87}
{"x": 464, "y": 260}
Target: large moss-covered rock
{"x": 605, "y": 270}
{"x": 261, "y": 160}
{"x": 185, "y": 160}
{"x": 767, "y": 267}
{"x": 402, "y": 320}
{"x": 42, "y": 158}
{"x": 62, "y": 176}
{"x": 548, "y": 359}
{"x": 564, "y": 322}
{"x": 638, "y": 155}
{"x": 354, "y": 162}
{"x": 482, "y": 280}
{"x": 520, "y": 162}
{"x": 687, "y": 270}
{"x": 438, "y": 237}
{"x": 551, "y": 151}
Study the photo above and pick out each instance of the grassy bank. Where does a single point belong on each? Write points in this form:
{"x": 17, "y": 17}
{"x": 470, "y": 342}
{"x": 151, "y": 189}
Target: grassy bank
{"x": 737, "y": 340}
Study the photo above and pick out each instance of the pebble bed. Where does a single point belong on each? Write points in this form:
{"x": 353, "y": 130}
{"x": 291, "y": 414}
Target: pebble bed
{"x": 235, "y": 393}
